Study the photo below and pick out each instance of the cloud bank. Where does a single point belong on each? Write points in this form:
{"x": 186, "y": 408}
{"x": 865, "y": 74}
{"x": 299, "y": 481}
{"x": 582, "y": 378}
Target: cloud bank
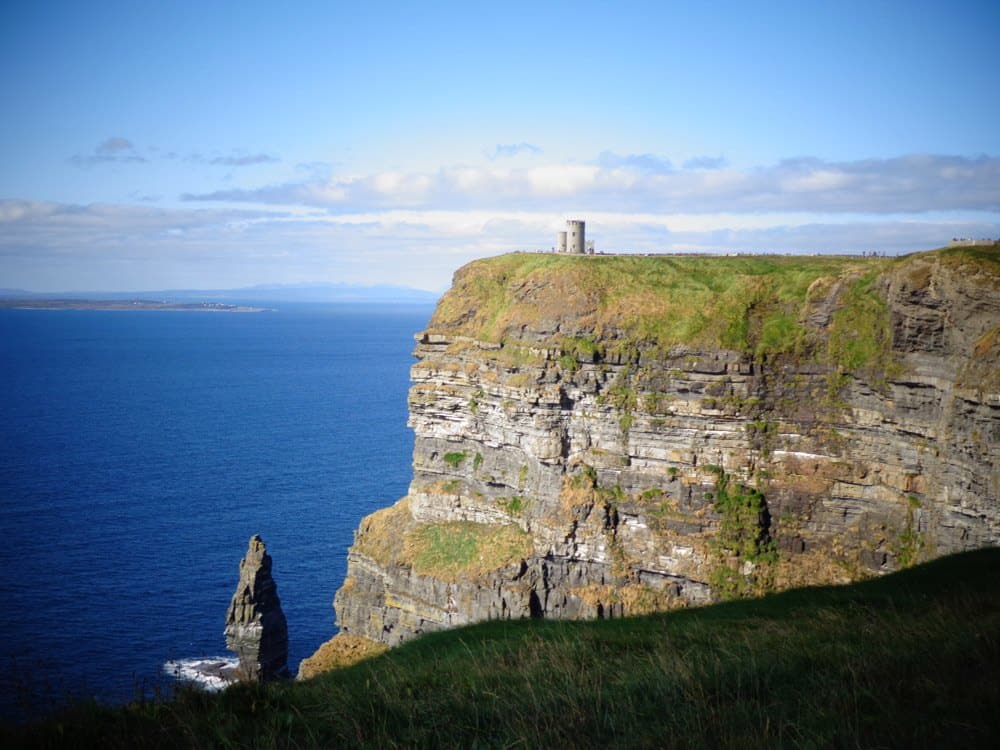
{"x": 65, "y": 247}
{"x": 416, "y": 228}
{"x": 645, "y": 182}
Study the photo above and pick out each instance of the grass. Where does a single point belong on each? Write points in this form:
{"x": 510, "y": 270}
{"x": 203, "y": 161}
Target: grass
{"x": 463, "y": 548}
{"x": 447, "y": 551}
{"x": 515, "y": 505}
{"x": 982, "y": 257}
{"x": 754, "y": 305}
{"x": 742, "y": 538}
{"x": 909, "y": 660}
{"x": 748, "y": 303}
{"x": 454, "y": 459}
{"x": 860, "y": 333}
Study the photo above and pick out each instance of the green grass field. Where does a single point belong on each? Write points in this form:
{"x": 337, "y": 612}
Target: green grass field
{"x": 910, "y": 660}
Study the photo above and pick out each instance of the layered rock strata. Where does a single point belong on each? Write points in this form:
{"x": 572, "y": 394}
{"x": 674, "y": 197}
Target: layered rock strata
{"x": 579, "y": 452}
{"x": 256, "y": 629}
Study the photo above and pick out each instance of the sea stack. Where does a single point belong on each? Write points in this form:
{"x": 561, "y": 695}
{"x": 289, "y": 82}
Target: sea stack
{"x": 256, "y": 629}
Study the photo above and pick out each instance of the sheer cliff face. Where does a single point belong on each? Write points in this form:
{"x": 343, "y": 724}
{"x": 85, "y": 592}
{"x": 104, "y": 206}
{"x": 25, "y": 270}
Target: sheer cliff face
{"x": 607, "y": 436}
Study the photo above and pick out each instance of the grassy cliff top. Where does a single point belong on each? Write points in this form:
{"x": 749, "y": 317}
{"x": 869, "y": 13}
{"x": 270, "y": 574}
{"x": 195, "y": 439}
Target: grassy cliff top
{"x": 752, "y": 303}
{"x": 908, "y": 660}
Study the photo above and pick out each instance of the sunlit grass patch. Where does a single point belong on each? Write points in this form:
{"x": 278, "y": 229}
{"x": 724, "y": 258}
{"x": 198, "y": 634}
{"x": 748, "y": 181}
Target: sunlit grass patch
{"x": 463, "y": 548}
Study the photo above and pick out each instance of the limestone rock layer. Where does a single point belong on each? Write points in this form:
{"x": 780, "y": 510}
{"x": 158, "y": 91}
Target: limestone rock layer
{"x": 599, "y": 437}
{"x": 256, "y": 629}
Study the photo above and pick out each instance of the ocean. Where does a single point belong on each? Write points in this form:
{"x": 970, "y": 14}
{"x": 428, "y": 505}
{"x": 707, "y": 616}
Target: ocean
{"x": 140, "y": 450}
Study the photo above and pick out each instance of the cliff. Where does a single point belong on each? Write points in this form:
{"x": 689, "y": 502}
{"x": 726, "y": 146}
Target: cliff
{"x": 606, "y": 436}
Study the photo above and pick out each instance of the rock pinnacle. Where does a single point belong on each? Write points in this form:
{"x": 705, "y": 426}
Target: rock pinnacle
{"x": 256, "y": 629}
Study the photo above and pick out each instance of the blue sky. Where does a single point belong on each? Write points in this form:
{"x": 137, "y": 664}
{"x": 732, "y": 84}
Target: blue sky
{"x": 200, "y": 145}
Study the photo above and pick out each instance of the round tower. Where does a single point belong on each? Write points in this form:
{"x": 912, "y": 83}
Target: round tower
{"x": 561, "y": 242}
{"x": 575, "y": 241}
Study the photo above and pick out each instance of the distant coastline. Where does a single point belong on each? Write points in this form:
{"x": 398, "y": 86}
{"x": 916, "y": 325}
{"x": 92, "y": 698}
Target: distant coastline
{"x": 262, "y": 295}
{"x": 134, "y": 304}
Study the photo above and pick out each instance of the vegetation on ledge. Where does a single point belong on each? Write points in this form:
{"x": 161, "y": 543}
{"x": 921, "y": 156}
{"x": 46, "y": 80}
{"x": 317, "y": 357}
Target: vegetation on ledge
{"x": 908, "y": 660}
{"x": 463, "y": 548}
{"x": 745, "y": 554}
{"x": 448, "y": 550}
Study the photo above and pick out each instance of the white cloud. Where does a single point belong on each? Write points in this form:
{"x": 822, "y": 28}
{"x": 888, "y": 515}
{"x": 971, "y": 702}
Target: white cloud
{"x": 642, "y": 162}
{"x": 817, "y": 181}
{"x": 705, "y": 162}
{"x": 561, "y": 179}
{"x": 11, "y": 211}
{"x": 416, "y": 228}
{"x": 644, "y": 183}
{"x": 103, "y": 246}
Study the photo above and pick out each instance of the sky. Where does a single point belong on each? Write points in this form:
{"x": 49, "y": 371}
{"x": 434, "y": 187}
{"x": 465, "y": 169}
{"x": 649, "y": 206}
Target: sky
{"x": 205, "y": 145}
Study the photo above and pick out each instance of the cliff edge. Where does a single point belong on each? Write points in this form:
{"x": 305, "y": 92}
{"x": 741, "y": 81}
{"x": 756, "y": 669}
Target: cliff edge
{"x": 611, "y": 435}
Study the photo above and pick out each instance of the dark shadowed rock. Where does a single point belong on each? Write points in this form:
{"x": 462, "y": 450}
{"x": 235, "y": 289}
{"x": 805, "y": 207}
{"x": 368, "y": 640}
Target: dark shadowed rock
{"x": 256, "y": 629}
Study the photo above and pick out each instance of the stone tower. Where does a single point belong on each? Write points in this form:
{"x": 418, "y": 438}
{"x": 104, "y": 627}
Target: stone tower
{"x": 573, "y": 239}
{"x": 575, "y": 242}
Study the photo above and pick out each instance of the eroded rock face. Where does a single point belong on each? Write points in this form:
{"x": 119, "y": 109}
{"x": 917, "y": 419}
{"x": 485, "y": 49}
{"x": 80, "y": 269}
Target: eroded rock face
{"x": 256, "y": 629}
{"x": 648, "y": 478}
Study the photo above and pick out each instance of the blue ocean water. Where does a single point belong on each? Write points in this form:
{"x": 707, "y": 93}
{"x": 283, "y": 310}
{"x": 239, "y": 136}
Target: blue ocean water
{"x": 140, "y": 450}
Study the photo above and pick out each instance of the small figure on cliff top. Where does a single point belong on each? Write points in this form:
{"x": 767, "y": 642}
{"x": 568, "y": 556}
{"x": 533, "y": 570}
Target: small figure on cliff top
{"x": 256, "y": 629}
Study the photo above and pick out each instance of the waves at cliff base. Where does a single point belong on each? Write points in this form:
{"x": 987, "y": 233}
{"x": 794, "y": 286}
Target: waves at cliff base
{"x": 207, "y": 673}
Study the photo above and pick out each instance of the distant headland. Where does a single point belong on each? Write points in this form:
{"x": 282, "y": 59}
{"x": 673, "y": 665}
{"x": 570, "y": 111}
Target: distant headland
{"x": 118, "y": 304}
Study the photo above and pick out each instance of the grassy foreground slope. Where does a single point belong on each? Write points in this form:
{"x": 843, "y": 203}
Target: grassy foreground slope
{"x": 909, "y": 660}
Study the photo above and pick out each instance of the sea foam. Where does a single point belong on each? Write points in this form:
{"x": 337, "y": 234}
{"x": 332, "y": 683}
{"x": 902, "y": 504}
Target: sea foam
{"x": 208, "y": 673}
